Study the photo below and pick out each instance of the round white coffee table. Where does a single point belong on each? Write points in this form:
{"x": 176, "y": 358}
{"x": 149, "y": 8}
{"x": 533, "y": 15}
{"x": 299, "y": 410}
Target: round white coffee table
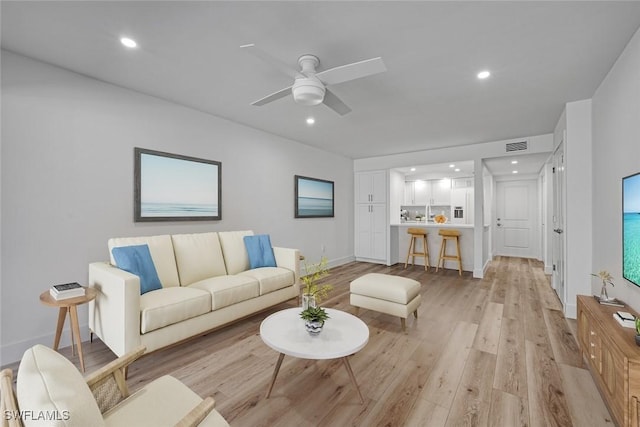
{"x": 342, "y": 335}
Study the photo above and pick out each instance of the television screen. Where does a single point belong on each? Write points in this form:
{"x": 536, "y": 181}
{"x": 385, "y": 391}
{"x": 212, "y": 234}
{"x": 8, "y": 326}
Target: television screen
{"x": 631, "y": 228}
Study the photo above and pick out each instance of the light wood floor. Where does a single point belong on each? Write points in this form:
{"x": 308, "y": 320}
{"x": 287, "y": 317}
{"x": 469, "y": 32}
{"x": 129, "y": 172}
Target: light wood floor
{"x": 490, "y": 352}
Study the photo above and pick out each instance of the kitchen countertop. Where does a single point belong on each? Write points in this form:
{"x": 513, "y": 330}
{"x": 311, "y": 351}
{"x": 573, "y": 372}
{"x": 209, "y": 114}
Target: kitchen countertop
{"x": 431, "y": 224}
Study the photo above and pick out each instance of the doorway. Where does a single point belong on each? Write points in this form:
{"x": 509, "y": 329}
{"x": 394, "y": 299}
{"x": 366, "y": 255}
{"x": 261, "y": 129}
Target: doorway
{"x": 558, "y": 244}
{"x": 516, "y": 218}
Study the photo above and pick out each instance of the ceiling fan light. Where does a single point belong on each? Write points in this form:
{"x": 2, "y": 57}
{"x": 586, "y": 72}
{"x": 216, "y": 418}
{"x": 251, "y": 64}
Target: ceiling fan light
{"x": 308, "y": 91}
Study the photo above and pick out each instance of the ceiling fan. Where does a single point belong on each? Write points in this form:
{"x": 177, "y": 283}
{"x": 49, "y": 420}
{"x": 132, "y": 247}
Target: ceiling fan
{"x": 309, "y": 86}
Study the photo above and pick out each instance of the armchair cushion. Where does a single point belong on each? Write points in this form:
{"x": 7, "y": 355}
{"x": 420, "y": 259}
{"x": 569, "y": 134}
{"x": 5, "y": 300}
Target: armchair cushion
{"x": 259, "y": 251}
{"x": 163, "y": 402}
{"x": 137, "y": 260}
{"x": 50, "y": 385}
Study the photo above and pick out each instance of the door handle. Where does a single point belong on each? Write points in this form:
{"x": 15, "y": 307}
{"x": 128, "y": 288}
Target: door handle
{"x": 499, "y": 225}
{"x": 558, "y": 230}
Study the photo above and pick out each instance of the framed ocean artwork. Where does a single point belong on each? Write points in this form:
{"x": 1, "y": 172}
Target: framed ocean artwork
{"x": 314, "y": 198}
{"x": 172, "y": 187}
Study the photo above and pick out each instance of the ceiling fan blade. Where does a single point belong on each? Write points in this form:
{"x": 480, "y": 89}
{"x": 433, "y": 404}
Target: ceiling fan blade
{"x": 273, "y": 97}
{"x": 353, "y": 71}
{"x": 333, "y": 102}
{"x": 275, "y": 62}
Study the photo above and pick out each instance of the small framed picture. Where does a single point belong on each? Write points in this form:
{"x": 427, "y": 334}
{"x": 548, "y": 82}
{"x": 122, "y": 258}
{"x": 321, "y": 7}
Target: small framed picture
{"x": 314, "y": 198}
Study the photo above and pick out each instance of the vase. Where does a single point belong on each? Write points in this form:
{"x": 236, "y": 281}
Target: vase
{"x": 314, "y": 327}
{"x": 308, "y": 300}
{"x": 603, "y": 292}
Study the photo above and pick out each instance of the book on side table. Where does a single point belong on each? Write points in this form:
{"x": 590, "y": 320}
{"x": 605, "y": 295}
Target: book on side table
{"x": 66, "y": 290}
{"x": 627, "y": 320}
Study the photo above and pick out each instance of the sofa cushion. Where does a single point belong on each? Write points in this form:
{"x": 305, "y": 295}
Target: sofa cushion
{"x": 198, "y": 256}
{"x": 259, "y": 251}
{"x": 137, "y": 260}
{"x": 161, "y": 249}
{"x": 228, "y": 290}
{"x": 171, "y": 305}
{"x": 271, "y": 278}
{"x": 49, "y": 385}
{"x": 235, "y": 253}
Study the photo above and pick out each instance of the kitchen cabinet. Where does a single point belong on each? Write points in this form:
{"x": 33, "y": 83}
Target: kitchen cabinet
{"x": 440, "y": 192}
{"x": 417, "y": 193}
{"x": 371, "y": 187}
{"x": 371, "y": 232}
{"x": 613, "y": 358}
{"x": 371, "y": 216}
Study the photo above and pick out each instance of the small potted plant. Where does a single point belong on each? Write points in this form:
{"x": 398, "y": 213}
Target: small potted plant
{"x": 638, "y": 331}
{"x": 312, "y": 292}
{"x": 314, "y": 318}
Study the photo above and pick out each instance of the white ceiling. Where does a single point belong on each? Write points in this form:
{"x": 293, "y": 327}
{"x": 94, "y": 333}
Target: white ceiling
{"x": 541, "y": 55}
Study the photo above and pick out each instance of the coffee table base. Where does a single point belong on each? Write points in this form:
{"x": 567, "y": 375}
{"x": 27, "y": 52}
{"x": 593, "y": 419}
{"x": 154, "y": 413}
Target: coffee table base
{"x": 347, "y": 366}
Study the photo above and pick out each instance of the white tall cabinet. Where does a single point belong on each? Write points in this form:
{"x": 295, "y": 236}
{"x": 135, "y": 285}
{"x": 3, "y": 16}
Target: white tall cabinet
{"x": 371, "y": 220}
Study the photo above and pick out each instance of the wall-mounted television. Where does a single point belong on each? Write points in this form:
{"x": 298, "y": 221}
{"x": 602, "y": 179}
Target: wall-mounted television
{"x": 631, "y": 228}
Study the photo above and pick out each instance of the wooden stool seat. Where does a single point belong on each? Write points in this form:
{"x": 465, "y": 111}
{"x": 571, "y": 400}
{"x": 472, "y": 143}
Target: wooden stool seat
{"x": 416, "y": 234}
{"x": 449, "y": 235}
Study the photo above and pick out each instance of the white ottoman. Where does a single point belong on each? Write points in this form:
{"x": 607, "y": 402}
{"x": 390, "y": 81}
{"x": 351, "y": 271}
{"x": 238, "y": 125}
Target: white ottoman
{"x": 394, "y": 295}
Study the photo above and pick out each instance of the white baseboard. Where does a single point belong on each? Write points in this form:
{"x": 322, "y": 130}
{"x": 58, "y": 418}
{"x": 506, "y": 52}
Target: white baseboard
{"x": 10, "y": 353}
{"x": 341, "y": 261}
{"x": 571, "y": 311}
{"x": 548, "y": 269}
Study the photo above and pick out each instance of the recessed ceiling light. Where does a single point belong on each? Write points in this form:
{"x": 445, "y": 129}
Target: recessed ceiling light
{"x": 483, "y": 74}
{"x": 514, "y": 172}
{"x": 310, "y": 120}
{"x": 413, "y": 169}
{"x": 457, "y": 169}
{"x": 130, "y": 43}
{"x": 514, "y": 162}
{"x": 452, "y": 166}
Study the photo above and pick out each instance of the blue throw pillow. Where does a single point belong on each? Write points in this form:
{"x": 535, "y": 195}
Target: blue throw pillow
{"x": 260, "y": 251}
{"x": 137, "y": 260}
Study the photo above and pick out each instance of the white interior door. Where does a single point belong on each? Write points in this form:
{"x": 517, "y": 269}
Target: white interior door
{"x": 516, "y": 224}
{"x": 557, "y": 248}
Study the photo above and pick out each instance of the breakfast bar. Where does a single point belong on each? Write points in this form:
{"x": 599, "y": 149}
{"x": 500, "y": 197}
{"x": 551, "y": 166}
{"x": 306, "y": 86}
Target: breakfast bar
{"x": 399, "y": 240}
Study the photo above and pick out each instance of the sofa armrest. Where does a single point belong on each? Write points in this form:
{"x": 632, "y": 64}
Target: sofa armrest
{"x": 288, "y": 258}
{"x": 115, "y": 313}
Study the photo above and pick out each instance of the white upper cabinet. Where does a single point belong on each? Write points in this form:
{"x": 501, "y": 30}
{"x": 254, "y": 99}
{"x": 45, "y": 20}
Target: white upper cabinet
{"x": 441, "y": 192}
{"x": 371, "y": 187}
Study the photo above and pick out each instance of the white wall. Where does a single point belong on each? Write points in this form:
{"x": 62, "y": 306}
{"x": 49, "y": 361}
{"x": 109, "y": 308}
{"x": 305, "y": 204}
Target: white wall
{"x": 616, "y": 153}
{"x": 67, "y": 184}
{"x": 576, "y": 121}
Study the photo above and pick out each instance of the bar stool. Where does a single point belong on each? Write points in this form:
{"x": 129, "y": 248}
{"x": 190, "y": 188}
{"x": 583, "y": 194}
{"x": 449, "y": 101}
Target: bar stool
{"x": 418, "y": 234}
{"x": 446, "y": 236}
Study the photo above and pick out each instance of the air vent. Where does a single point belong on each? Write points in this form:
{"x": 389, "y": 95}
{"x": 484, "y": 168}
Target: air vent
{"x": 517, "y": 146}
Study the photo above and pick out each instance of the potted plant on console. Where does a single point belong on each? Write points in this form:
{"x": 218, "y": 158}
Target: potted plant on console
{"x": 312, "y": 293}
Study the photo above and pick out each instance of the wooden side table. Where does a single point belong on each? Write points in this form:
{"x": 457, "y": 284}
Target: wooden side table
{"x": 69, "y": 305}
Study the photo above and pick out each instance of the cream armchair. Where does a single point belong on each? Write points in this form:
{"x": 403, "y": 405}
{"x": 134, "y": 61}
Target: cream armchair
{"x": 51, "y": 392}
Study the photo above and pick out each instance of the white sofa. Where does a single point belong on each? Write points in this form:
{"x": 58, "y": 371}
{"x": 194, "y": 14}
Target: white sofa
{"x": 206, "y": 283}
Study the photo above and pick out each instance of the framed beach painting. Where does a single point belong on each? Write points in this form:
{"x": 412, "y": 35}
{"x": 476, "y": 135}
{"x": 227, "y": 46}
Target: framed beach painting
{"x": 313, "y": 197}
{"x": 172, "y": 187}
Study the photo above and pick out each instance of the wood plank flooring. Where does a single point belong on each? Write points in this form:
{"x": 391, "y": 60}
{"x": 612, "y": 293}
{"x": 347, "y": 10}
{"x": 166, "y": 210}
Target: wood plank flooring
{"x": 490, "y": 352}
